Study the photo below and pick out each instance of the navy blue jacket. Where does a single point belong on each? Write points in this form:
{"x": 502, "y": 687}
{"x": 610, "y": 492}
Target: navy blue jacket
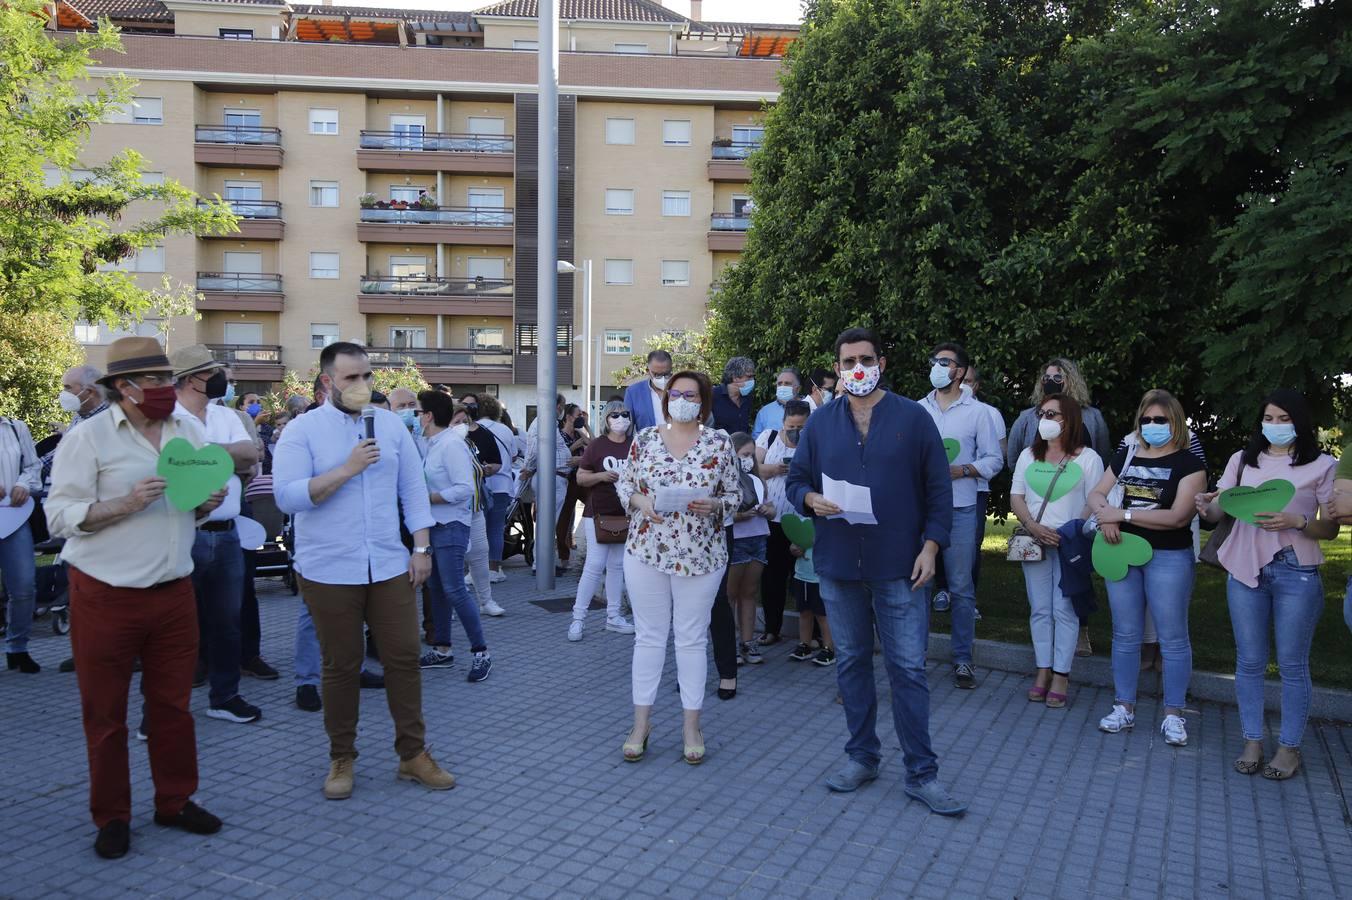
{"x": 904, "y": 465}
{"x": 1077, "y": 565}
{"x": 728, "y": 416}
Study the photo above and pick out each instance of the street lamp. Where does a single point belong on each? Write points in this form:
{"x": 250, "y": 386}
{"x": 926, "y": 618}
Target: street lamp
{"x": 567, "y": 268}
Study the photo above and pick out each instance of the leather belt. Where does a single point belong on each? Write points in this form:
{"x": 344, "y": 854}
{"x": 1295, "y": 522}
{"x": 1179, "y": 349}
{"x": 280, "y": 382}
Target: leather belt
{"x": 228, "y": 525}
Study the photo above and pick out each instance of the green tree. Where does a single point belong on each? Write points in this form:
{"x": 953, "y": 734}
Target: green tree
{"x": 35, "y": 351}
{"x": 690, "y": 351}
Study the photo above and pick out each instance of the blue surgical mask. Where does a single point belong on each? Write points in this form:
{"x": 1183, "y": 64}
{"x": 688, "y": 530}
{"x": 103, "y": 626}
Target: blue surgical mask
{"x": 1278, "y": 434}
{"x": 784, "y": 393}
{"x": 229, "y": 393}
{"x": 410, "y": 419}
{"x": 253, "y": 409}
{"x": 748, "y": 387}
{"x": 1157, "y": 435}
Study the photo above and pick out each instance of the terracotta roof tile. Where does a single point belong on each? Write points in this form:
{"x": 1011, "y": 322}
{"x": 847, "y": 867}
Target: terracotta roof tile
{"x": 122, "y": 10}
{"x": 591, "y": 10}
{"x": 411, "y": 15}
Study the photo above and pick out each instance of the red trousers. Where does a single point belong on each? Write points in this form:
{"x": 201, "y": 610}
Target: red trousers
{"x": 109, "y": 628}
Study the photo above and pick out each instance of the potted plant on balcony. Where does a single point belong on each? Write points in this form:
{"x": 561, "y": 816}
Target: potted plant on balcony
{"x": 366, "y": 201}
{"x": 722, "y": 142}
{"x": 399, "y": 204}
{"x": 381, "y": 204}
{"x": 427, "y": 201}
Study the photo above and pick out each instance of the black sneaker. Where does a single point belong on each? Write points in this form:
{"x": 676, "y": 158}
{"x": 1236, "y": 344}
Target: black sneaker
{"x": 141, "y": 733}
{"x": 258, "y": 668}
{"x": 114, "y": 840}
{"x": 826, "y": 656}
{"x": 479, "y": 669}
{"x": 964, "y": 677}
{"x": 67, "y": 665}
{"x": 199, "y": 675}
{"x": 191, "y": 818}
{"x": 801, "y": 652}
{"x": 307, "y": 698}
{"x": 372, "y": 681}
{"x": 236, "y": 709}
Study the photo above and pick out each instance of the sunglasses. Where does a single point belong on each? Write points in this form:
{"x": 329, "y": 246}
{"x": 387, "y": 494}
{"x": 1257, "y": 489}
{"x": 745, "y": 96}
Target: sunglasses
{"x": 1047, "y": 414}
{"x": 677, "y": 395}
{"x": 943, "y": 361}
{"x": 619, "y": 415}
{"x": 1154, "y": 420}
{"x": 1055, "y": 379}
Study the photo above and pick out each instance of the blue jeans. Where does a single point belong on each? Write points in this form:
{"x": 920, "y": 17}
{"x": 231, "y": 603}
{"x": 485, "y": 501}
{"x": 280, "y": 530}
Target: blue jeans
{"x": 1165, "y": 585}
{"x": 1347, "y": 603}
{"x": 495, "y": 520}
{"x": 218, "y": 582}
{"x": 902, "y": 616}
{"x": 447, "y": 583}
{"x": 18, "y": 567}
{"x": 958, "y": 559}
{"x": 1289, "y": 598}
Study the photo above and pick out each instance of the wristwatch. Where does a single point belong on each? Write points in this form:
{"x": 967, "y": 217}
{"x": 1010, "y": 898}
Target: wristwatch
{"x": 1126, "y": 516}
{"x": 425, "y": 551}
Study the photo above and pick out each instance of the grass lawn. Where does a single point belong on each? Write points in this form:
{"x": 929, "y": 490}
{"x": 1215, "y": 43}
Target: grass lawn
{"x": 1004, "y": 612}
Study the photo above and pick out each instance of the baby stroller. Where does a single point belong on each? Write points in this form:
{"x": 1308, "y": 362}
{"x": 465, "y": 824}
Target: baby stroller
{"x": 52, "y": 586}
{"x": 519, "y": 532}
{"x": 275, "y": 558}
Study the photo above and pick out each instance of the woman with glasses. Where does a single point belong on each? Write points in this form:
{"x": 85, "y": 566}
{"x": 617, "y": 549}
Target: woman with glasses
{"x": 602, "y": 462}
{"x": 1274, "y": 589}
{"x": 678, "y": 487}
{"x": 1159, "y": 482}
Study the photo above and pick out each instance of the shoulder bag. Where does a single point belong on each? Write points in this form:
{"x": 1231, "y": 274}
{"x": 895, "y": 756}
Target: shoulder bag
{"x": 1023, "y": 547}
{"x": 1212, "y": 548}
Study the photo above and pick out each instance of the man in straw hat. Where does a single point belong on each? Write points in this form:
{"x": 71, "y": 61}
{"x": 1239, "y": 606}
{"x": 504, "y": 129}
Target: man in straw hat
{"x": 130, "y": 556}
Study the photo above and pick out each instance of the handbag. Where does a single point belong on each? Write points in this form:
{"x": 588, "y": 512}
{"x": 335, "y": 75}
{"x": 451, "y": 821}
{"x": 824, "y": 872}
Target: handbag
{"x": 1023, "y": 547}
{"x": 1212, "y": 549}
{"x": 611, "y": 529}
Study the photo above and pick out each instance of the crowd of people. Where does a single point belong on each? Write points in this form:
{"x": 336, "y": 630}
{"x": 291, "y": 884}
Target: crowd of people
{"x": 864, "y": 509}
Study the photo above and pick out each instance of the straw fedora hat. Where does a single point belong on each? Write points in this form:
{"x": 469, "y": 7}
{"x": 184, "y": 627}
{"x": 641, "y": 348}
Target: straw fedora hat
{"x": 194, "y": 359}
{"x": 135, "y": 356}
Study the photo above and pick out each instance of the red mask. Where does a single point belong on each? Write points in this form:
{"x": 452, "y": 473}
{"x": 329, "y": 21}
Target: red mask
{"x": 157, "y": 402}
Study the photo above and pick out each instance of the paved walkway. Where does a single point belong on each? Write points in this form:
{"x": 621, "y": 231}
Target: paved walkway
{"x": 545, "y": 807}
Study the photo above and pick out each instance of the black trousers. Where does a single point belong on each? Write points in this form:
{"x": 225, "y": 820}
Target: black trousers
{"x": 775, "y": 579}
{"x": 722, "y": 626}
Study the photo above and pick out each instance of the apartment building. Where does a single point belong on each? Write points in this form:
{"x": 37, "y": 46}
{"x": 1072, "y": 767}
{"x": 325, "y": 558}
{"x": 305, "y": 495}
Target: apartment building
{"x": 383, "y": 163}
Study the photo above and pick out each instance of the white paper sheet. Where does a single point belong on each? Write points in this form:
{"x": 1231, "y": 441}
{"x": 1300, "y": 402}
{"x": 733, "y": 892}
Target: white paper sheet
{"x": 678, "y": 499}
{"x": 855, "y": 501}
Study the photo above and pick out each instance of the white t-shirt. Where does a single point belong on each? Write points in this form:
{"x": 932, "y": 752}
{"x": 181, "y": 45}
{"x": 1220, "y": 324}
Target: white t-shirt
{"x": 1071, "y": 504}
{"x": 222, "y": 427}
{"x": 776, "y": 453}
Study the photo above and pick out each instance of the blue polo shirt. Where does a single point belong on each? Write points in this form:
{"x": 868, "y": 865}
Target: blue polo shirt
{"x": 906, "y": 470}
{"x": 728, "y": 416}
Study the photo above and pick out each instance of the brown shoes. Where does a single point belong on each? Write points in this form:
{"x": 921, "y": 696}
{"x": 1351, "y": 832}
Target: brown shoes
{"x": 425, "y": 771}
{"x": 338, "y": 786}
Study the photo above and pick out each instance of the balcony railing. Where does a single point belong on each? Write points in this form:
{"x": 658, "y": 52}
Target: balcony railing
{"x": 239, "y": 282}
{"x": 238, "y": 134}
{"x": 735, "y": 150}
{"x": 474, "y": 216}
{"x": 235, "y": 354}
{"x": 252, "y": 209}
{"x": 395, "y": 357}
{"x": 446, "y": 143}
{"x": 729, "y": 222}
{"x": 426, "y": 286}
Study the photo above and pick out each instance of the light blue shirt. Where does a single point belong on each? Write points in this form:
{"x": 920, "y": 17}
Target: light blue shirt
{"x": 770, "y": 418}
{"x": 449, "y": 468}
{"x": 353, "y": 536}
{"x": 969, "y": 423}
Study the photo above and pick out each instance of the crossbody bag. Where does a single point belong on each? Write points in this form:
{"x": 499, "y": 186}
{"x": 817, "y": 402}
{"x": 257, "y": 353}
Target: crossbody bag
{"x": 1023, "y": 547}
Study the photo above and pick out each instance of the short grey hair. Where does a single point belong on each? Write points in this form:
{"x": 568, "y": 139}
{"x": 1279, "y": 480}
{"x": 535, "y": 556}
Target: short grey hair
{"x": 737, "y": 367}
{"x": 295, "y": 404}
{"x": 613, "y": 407}
{"x": 792, "y": 371}
{"x": 88, "y": 375}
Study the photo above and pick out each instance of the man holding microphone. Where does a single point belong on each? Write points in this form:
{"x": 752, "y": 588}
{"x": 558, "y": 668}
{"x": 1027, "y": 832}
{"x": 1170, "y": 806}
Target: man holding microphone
{"x": 335, "y": 470}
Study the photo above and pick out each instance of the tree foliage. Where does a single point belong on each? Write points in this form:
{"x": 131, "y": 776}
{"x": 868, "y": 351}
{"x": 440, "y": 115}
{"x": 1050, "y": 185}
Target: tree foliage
{"x": 690, "y": 351}
{"x": 35, "y": 351}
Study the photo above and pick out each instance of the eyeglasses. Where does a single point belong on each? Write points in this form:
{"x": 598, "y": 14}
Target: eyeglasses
{"x": 1154, "y": 420}
{"x": 688, "y": 395}
{"x": 943, "y": 361}
{"x": 1048, "y": 414}
{"x": 850, "y": 362}
{"x": 150, "y": 380}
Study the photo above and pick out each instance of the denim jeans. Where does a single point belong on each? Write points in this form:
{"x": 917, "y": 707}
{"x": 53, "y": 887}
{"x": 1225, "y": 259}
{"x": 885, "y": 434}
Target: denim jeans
{"x": 218, "y": 582}
{"x": 958, "y": 559}
{"x": 1347, "y": 603}
{"x": 18, "y": 567}
{"x": 902, "y": 616}
{"x": 1287, "y": 603}
{"x": 1165, "y": 585}
{"x": 250, "y": 628}
{"x": 495, "y": 520}
{"x": 448, "y": 587}
{"x": 983, "y": 504}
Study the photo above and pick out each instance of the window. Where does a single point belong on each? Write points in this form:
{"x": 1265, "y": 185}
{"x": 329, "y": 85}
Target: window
{"x": 675, "y": 272}
{"x": 323, "y": 193}
{"x": 147, "y": 259}
{"x": 619, "y": 271}
{"x": 323, "y": 121}
{"x": 631, "y": 48}
{"x": 86, "y": 333}
{"x": 237, "y": 34}
{"x": 487, "y": 338}
{"x": 96, "y": 333}
{"x": 323, "y": 265}
{"x": 523, "y": 44}
{"x": 408, "y": 338}
{"x": 739, "y": 206}
{"x": 676, "y": 133}
{"x": 249, "y": 334}
{"x": 675, "y": 203}
{"x": 153, "y": 178}
{"x": 408, "y": 266}
{"x": 487, "y": 125}
{"x": 140, "y": 111}
{"x": 406, "y": 192}
{"x": 243, "y": 118}
{"x": 235, "y": 262}
{"x": 747, "y": 134}
{"x": 619, "y": 131}
{"x": 322, "y": 334}
{"x": 619, "y": 342}
{"x": 243, "y": 190}
{"x": 619, "y": 202}
{"x": 493, "y": 268}
{"x": 527, "y": 338}
{"x": 488, "y": 198}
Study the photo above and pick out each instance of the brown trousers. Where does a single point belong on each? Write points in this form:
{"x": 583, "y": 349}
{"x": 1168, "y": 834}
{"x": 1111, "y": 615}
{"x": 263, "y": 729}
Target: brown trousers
{"x": 390, "y": 608}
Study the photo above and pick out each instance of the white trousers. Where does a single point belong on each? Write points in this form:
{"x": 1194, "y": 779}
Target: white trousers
{"x": 476, "y": 559}
{"x": 1051, "y": 618}
{"x": 663, "y": 603}
{"x": 604, "y": 561}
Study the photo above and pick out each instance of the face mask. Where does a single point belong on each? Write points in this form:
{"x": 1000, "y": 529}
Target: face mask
{"x": 229, "y": 393}
{"x": 746, "y": 463}
{"x": 862, "y": 380}
{"x": 748, "y": 387}
{"x": 1049, "y": 429}
{"x": 68, "y": 401}
{"x": 1156, "y": 435}
{"x": 618, "y": 425}
{"x": 217, "y": 385}
{"x": 940, "y": 377}
{"x": 460, "y": 432}
{"x": 1279, "y": 435}
{"x": 792, "y": 435}
{"x": 253, "y": 409}
{"x": 354, "y": 398}
{"x": 784, "y": 393}
{"x": 157, "y": 402}
{"x": 472, "y": 409}
{"x": 683, "y": 410}
{"x": 660, "y": 381}
{"x": 579, "y": 422}
{"x": 409, "y": 418}
{"x": 1051, "y": 388}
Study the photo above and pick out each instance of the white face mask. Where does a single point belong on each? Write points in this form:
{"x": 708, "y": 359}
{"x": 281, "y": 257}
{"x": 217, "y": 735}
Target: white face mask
{"x": 68, "y": 401}
{"x": 660, "y": 381}
{"x": 862, "y": 380}
{"x": 746, "y": 463}
{"x": 683, "y": 410}
{"x": 618, "y": 425}
{"x": 460, "y": 432}
{"x": 940, "y": 376}
{"x": 1050, "y": 429}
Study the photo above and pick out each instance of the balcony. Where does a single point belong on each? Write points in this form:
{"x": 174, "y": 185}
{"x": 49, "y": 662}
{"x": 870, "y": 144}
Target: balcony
{"x": 727, "y": 231}
{"x": 425, "y": 295}
{"x": 238, "y": 146}
{"x": 448, "y": 366}
{"x": 259, "y": 220}
{"x": 437, "y": 225}
{"x": 239, "y": 291}
{"x": 727, "y": 161}
{"x": 251, "y": 362}
{"x": 462, "y": 154}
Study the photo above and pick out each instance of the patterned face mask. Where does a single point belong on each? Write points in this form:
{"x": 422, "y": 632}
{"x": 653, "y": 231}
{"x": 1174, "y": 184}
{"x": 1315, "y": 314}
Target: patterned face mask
{"x": 863, "y": 380}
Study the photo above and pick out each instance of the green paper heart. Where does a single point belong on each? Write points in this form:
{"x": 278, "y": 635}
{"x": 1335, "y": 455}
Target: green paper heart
{"x": 193, "y": 475}
{"x": 1111, "y": 560}
{"x": 1245, "y": 503}
{"x": 1039, "y": 477}
{"x": 798, "y": 530}
{"x": 953, "y": 448}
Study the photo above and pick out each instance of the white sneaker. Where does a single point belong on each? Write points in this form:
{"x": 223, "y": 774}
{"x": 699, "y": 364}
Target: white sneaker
{"x": 1175, "y": 735}
{"x": 497, "y": 577}
{"x": 469, "y": 581}
{"x": 619, "y": 625}
{"x": 575, "y": 630}
{"x": 1117, "y": 720}
{"x": 491, "y": 608}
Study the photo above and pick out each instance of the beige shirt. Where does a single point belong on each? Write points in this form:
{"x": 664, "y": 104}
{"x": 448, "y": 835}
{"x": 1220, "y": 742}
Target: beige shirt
{"x": 103, "y": 460}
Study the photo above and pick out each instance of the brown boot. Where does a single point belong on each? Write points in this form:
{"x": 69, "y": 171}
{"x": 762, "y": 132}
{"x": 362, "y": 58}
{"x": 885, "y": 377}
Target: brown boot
{"x": 1082, "y": 646}
{"x": 425, "y": 771}
{"x": 338, "y": 786}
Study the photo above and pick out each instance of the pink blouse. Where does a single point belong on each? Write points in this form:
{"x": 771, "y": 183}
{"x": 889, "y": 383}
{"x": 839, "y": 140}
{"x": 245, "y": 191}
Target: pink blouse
{"x": 1249, "y": 548}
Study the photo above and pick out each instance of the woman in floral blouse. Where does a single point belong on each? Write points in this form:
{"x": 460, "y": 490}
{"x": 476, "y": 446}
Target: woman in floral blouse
{"x": 675, "y": 557}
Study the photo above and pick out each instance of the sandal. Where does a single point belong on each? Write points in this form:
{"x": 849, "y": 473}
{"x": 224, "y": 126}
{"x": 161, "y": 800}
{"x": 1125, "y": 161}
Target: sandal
{"x": 694, "y": 753}
{"x": 1248, "y": 766}
{"x": 1055, "y": 700}
{"x": 635, "y": 752}
{"x": 1037, "y": 694}
{"x": 1272, "y": 773}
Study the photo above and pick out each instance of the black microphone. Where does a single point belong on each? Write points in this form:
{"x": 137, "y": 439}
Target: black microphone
{"x": 368, "y": 419}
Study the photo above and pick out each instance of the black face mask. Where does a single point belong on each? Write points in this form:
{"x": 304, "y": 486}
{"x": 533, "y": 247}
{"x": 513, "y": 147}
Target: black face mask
{"x": 216, "y": 385}
{"x": 579, "y": 422}
{"x": 1051, "y": 388}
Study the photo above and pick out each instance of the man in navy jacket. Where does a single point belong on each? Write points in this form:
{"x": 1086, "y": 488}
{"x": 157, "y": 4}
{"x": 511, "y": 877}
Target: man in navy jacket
{"x": 891, "y": 446}
{"x": 643, "y": 399}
